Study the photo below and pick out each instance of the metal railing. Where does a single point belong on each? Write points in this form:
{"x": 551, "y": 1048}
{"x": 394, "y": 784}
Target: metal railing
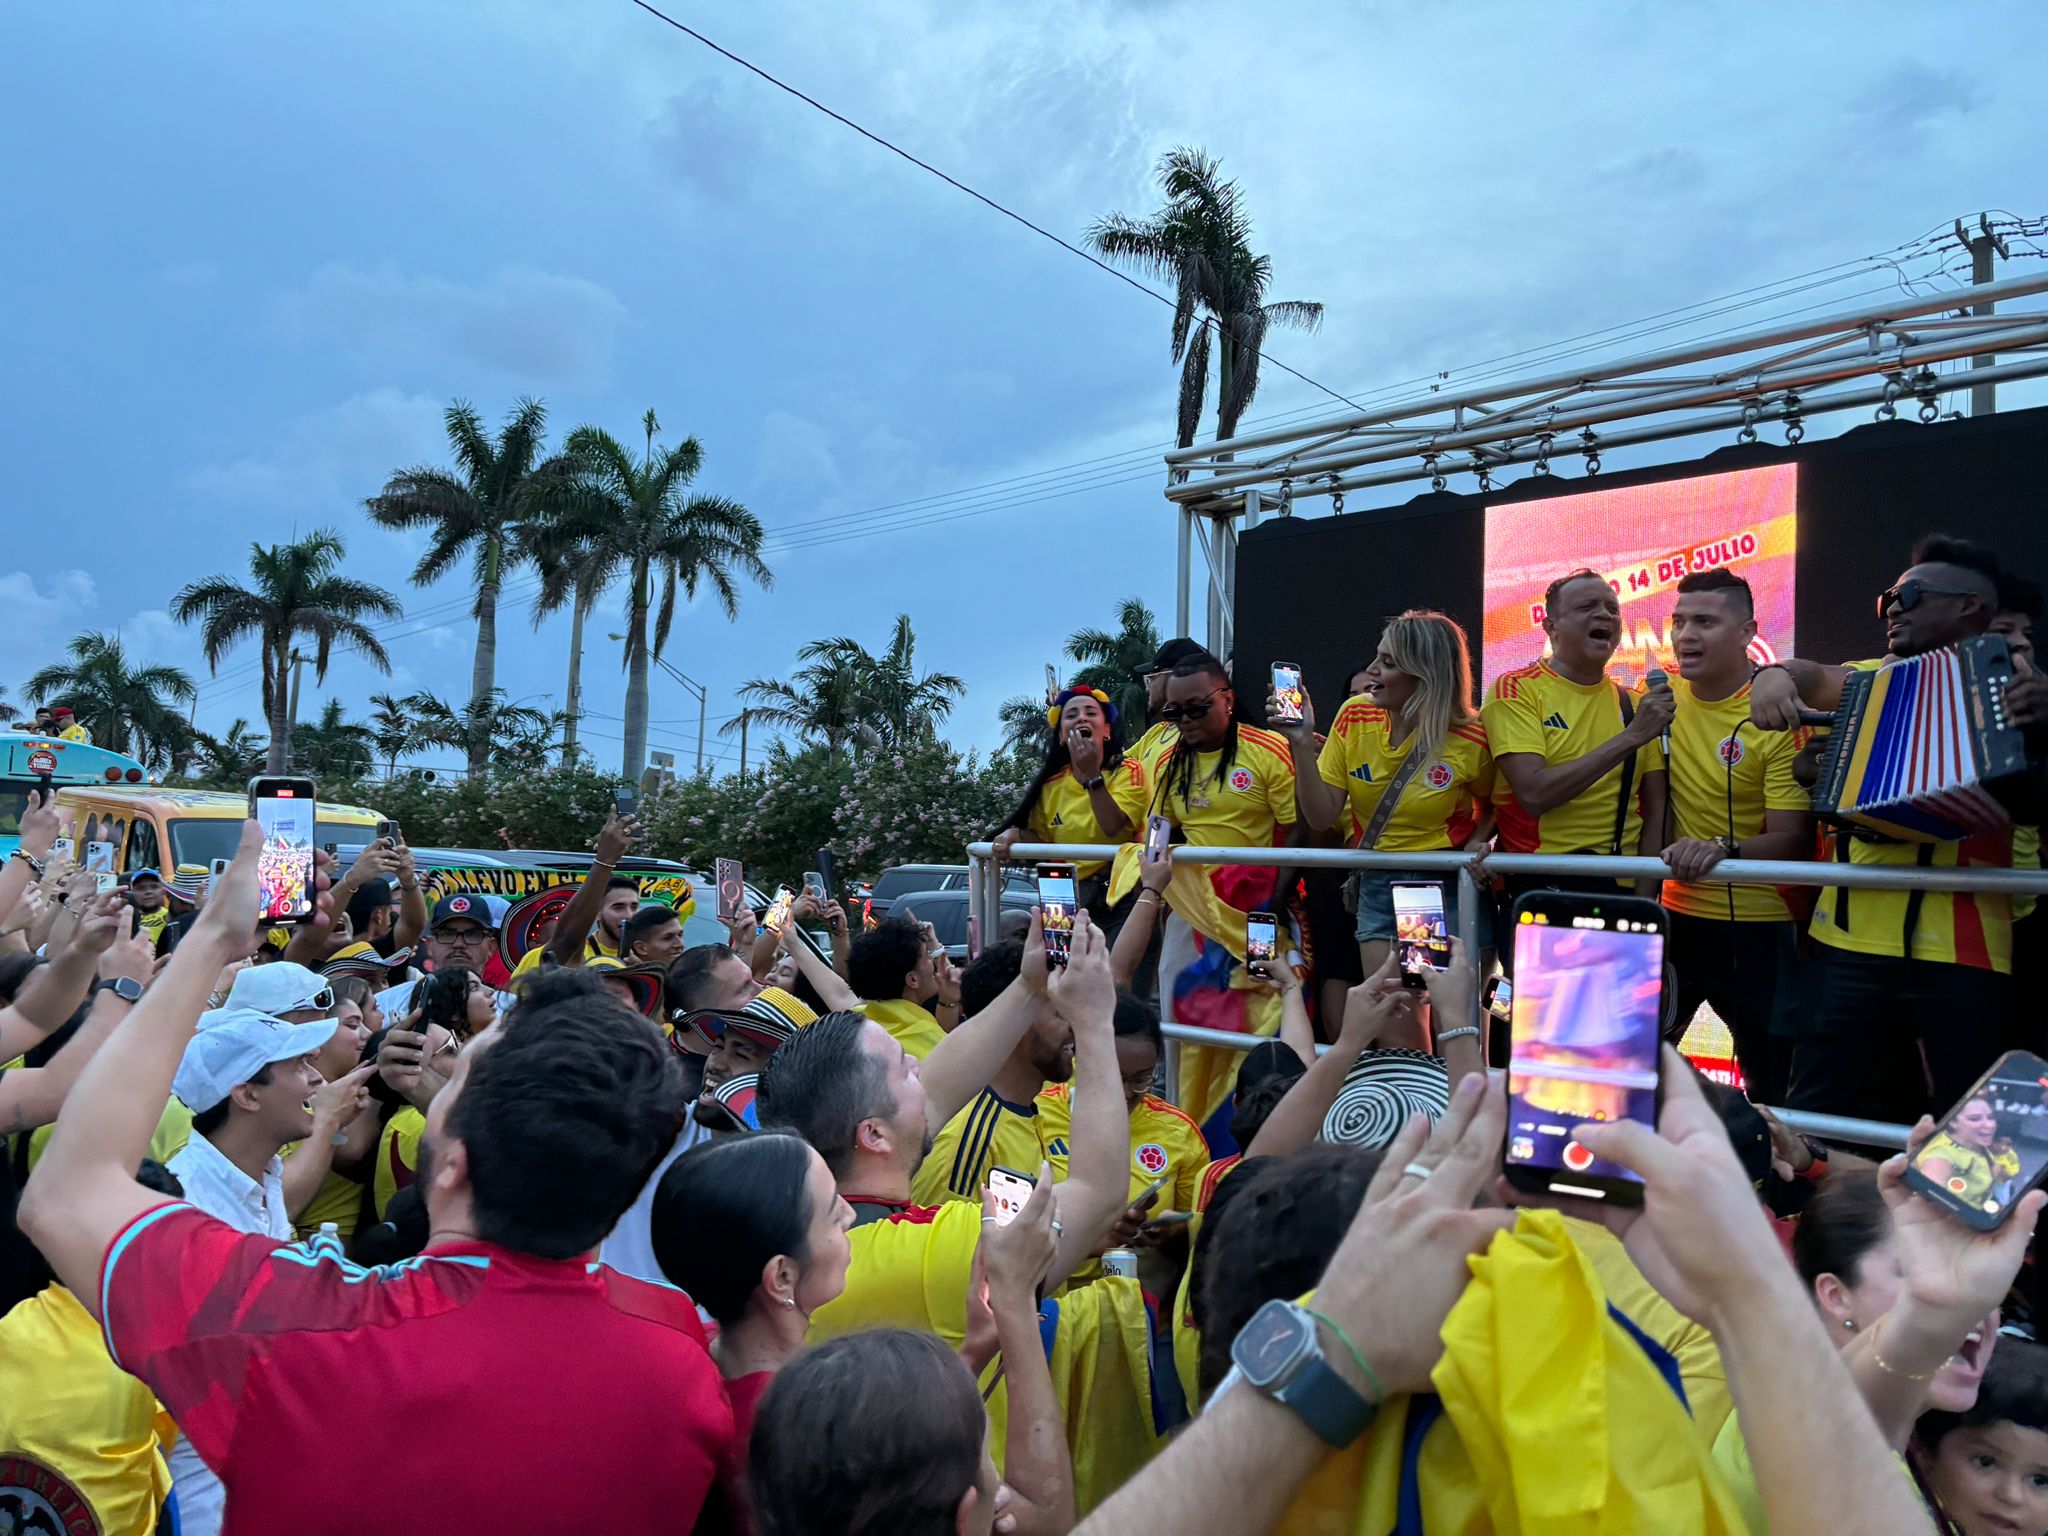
{"x": 984, "y": 898}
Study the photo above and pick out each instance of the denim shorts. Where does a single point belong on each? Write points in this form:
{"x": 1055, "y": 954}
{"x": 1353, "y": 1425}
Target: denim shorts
{"x": 1376, "y": 906}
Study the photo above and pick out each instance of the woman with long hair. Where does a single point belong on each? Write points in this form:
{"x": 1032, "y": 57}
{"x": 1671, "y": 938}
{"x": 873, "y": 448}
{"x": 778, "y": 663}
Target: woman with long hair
{"x": 1085, "y": 791}
{"x": 1413, "y": 734}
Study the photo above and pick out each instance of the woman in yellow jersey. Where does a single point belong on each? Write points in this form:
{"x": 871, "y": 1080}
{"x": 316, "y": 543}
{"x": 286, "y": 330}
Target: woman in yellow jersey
{"x": 1415, "y": 726}
{"x": 339, "y": 1196}
{"x": 1086, "y": 790}
{"x": 1970, "y": 1159}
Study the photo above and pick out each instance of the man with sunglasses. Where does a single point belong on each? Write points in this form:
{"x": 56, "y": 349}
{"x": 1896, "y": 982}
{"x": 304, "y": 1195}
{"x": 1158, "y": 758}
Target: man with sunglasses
{"x": 1901, "y": 977}
{"x": 1161, "y": 734}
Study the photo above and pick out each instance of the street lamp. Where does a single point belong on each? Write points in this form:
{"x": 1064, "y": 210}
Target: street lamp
{"x": 703, "y": 706}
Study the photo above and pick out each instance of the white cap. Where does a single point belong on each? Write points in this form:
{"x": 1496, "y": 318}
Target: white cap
{"x": 233, "y": 1045}
{"x": 280, "y": 987}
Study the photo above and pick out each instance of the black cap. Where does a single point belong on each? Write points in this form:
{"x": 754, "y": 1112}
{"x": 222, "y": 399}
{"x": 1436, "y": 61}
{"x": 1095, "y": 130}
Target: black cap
{"x": 1269, "y": 1058}
{"x": 1173, "y": 653}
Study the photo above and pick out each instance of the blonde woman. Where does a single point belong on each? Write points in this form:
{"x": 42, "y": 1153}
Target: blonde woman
{"x": 1417, "y": 706}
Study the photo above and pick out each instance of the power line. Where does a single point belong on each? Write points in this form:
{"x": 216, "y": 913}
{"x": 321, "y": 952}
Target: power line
{"x": 961, "y": 186}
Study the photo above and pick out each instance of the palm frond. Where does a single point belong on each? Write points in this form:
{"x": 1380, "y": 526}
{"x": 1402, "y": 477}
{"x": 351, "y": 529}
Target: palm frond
{"x": 1194, "y": 385}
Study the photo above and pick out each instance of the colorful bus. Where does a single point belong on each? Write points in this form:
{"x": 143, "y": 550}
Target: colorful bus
{"x": 28, "y": 761}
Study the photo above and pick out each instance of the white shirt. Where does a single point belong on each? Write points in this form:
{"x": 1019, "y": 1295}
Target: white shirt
{"x": 217, "y": 1187}
{"x": 630, "y": 1248}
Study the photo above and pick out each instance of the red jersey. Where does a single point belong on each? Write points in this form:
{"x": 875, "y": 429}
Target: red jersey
{"x": 562, "y": 1383}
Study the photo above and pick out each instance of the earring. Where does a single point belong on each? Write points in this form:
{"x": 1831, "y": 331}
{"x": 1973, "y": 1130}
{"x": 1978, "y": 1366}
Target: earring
{"x": 790, "y": 1302}
{"x": 1849, "y": 1323}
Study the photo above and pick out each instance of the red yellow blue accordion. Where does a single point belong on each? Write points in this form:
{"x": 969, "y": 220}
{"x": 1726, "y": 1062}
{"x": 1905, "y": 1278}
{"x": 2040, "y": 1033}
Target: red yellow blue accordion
{"x": 1921, "y": 751}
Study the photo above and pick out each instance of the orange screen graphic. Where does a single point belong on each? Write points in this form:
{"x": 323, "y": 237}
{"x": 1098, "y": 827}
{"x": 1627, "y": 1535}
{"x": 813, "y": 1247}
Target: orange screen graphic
{"x": 1643, "y": 539}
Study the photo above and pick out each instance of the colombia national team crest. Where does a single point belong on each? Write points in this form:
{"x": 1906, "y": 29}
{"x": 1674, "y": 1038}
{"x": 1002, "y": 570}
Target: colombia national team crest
{"x": 1241, "y": 780}
{"x": 1731, "y": 751}
{"x": 1437, "y": 776}
{"x": 1150, "y": 1158}
{"x": 35, "y": 1498}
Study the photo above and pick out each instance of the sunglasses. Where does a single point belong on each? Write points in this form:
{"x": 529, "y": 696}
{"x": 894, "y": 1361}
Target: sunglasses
{"x": 1908, "y": 593}
{"x": 1194, "y": 709}
{"x": 323, "y": 999}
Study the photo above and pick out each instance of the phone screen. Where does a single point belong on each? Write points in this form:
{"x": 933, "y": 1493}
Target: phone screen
{"x": 284, "y": 809}
{"x": 1057, "y": 899}
{"x": 1419, "y": 932}
{"x": 1287, "y": 691}
{"x": 778, "y": 910}
{"x": 1589, "y": 986}
{"x": 1158, "y": 833}
{"x": 1261, "y": 938}
{"x": 1992, "y": 1148}
{"x": 626, "y": 803}
{"x": 1500, "y": 997}
{"x": 1011, "y": 1190}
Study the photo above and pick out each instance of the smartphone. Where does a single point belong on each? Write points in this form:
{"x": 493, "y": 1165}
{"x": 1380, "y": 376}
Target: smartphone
{"x": 1992, "y": 1147}
{"x": 777, "y": 917}
{"x": 815, "y": 884}
{"x": 285, "y": 809}
{"x": 1170, "y": 1219}
{"x": 1499, "y": 998}
{"x": 1287, "y": 691}
{"x": 1261, "y": 941}
{"x": 732, "y": 889}
{"x": 1011, "y": 1190}
{"x": 626, "y": 802}
{"x": 62, "y": 848}
{"x": 1057, "y": 899}
{"x": 1158, "y": 833}
{"x": 828, "y": 870}
{"x": 1052, "y": 684}
{"x": 1421, "y": 940}
{"x": 1583, "y": 1026}
{"x": 1149, "y": 1191}
{"x": 218, "y": 868}
{"x": 387, "y": 832}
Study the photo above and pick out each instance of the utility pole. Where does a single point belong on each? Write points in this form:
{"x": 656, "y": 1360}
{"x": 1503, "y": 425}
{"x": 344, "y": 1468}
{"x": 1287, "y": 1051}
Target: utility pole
{"x": 291, "y": 719}
{"x": 746, "y": 716}
{"x": 1982, "y": 246}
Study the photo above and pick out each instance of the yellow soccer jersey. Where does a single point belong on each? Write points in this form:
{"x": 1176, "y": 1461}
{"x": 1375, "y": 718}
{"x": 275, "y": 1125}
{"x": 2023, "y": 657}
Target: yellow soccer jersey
{"x": 909, "y": 1025}
{"x": 1535, "y": 710}
{"x": 908, "y": 1269}
{"x": 1150, "y": 749}
{"x": 398, "y": 1155}
{"x": 1243, "y": 806}
{"x": 1710, "y": 757}
{"x": 989, "y": 1132}
{"x": 1065, "y": 813}
{"x": 1164, "y": 1141}
{"x": 1439, "y": 807}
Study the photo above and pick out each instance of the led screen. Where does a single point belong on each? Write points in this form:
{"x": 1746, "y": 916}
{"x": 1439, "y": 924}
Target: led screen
{"x": 1643, "y": 539}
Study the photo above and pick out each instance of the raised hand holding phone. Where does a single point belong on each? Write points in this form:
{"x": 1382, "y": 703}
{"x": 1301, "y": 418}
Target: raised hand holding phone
{"x": 1992, "y": 1147}
{"x": 1058, "y": 896}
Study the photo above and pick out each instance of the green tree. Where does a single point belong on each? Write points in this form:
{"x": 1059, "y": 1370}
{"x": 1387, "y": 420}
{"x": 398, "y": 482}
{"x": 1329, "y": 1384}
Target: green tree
{"x": 637, "y": 519}
{"x": 1024, "y": 729}
{"x": 128, "y": 708}
{"x": 846, "y": 695}
{"x": 819, "y": 704}
{"x": 7, "y": 710}
{"x": 295, "y": 590}
{"x": 228, "y": 761}
{"x": 562, "y": 552}
{"x": 1200, "y": 242}
{"x": 334, "y": 746}
{"x": 397, "y": 728}
{"x": 1116, "y": 661}
{"x": 476, "y": 510}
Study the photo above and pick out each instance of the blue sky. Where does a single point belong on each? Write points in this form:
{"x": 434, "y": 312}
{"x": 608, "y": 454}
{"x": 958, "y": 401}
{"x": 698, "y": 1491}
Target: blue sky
{"x": 255, "y": 249}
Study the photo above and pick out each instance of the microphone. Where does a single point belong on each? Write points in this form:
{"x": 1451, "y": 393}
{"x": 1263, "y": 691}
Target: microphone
{"x": 1656, "y": 678}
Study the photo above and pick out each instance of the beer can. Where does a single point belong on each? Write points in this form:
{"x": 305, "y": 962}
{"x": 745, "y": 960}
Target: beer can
{"x": 1120, "y": 1261}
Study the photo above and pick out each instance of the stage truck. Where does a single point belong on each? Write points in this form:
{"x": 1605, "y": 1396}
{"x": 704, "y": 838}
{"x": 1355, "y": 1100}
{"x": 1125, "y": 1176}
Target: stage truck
{"x": 28, "y": 762}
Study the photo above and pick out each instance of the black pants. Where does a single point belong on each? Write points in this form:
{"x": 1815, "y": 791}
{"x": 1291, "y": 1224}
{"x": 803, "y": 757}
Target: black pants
{"x": 1515, "y": 887}
{"x": 1891, "y": 1039}
{"x": 1735, "y": 968}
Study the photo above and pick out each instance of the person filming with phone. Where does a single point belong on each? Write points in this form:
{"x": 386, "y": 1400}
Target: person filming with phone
{"x": 1086, "y": 790}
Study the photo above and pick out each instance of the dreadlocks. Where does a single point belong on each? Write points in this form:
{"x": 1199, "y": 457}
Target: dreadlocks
{"x": 1179, "y": 778}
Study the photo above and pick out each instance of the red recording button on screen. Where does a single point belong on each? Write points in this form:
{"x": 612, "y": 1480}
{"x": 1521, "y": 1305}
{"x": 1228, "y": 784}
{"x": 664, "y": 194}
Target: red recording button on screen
{"x": 1576, "y": 1157}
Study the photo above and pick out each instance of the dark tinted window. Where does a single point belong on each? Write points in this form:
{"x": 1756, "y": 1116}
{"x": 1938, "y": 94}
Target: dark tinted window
{"x": 948, "y": 919}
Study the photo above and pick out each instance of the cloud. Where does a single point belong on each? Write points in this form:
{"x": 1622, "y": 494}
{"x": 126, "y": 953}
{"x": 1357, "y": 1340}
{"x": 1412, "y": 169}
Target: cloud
{"x": 543, "y": 329}
{"x": 792, "y": 448}
{"x": 325, "y": 462}
{"x": 1913, "y": 96}
{"x": 699, "y": 136}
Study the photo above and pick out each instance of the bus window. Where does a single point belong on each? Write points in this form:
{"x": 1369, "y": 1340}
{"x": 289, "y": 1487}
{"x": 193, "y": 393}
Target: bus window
{"x": 142, "y": 852}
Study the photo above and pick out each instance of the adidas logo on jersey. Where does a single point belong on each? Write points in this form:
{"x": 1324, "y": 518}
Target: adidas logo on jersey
{"x": 1363, "y": 772}
{"x": 1554, "y": 720}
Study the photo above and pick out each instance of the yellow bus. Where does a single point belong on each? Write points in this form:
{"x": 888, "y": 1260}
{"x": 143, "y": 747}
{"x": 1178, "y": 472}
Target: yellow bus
{"x": 127, "y": 827}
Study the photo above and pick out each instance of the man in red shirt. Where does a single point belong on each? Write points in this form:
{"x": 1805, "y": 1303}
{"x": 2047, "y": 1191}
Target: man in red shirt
{"x": 600, "y": 1396}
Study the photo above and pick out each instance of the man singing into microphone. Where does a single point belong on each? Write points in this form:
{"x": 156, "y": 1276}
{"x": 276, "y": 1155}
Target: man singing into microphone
{"x": 1580, "y": 766}
{"x": 1732, "y": 795}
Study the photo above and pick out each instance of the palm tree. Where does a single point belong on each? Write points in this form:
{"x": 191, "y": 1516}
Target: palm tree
{"x": 821, "y": 703}
{"x": 561, "y": 551}
{"x": 1201, "y": 243}
{"x": 295, "y": 592}
{"x": 396, "y": 728}
{"x": 130, "y": 709}
{"x": 635, "y": 518}
{"x": 335, "y": 747}
{"x": 1024, "y": 730}
{"x": 1117, "y": 662}
{"x": 894, "y": 702}
{"x": 7, "y": 711}
{"x": 475, "y": 510}
{"x": 231, "y": 760}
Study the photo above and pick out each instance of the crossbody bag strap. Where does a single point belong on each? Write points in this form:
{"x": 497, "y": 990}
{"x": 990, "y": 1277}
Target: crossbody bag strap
{"x": 1384, "y": 811}
{"x": 1628, "y": 773}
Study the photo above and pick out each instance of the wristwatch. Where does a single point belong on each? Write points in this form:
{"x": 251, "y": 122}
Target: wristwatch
{"x": 1093, "y": 784}
{"x": 1732, "y": 847}
{"x": 1281, "y": 1353}
{"x": 126, "y": 988}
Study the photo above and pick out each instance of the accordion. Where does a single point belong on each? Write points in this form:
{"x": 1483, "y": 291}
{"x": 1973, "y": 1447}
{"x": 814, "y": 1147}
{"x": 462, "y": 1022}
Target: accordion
{"x": 1921, "y": 750}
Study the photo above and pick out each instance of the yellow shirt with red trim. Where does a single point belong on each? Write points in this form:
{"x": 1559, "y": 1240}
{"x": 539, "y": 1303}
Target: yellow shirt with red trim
{"x": 1438, "y": 808}
{"x": 1150, "y": 749}
{"x": 76, "y": 732}
{"x": 1065, "y": 812}
{"x": 1213, "y": 1177}
{"x": 1536, "y": 710}
{"x": 908, "y": 1268}
{"x": 398, "y": 1155}
{"x": 1242, "y": 806}
{"x": 1972, "y": 928}
{"x": 1164, "y": 1141}
{"x": 1710, "y": 758}
{"x": 2026, "y": 854}
{"x": 990, "y": 1131}
{"x": 909, "y": 1025}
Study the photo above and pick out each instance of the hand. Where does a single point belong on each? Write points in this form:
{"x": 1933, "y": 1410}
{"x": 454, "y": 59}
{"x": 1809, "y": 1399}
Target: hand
{"x": 131, "y": 956}
{"x": 408, "y": 877}
{"x": 1128, "y": 1228}
{"x": 336, "y": 1104}
{"x": 805, "y": 906}
{"x": 743, "y": 929}
{"x": 377, "y": 861}
{"x": 1774, "y": 700}
{"x": 1084, "y": 991}
{"x": 1036, "y": 965}
{"x": 1005, "y": 840}
{"x": 40, "y": 824}
{"x": 1701, "y": 1238}
{"x": 1790, "y": 1155}
{"x": 1454, "y": 991}
{"x": 2026, "y": 696}
{"x": 103, "y": 920}
{"x": 232, "y": 916}
{"x": 1158, "y": 874}
{"x": 949, "y": 982}
{"x": 224, "y": 983}
{"x": 1654, "y": 712}
{"x": 1950, "y": 1268}
{"x": 401, "y": 1057}
{"x": 1016, "y": 1258}
{"x": 1691, "y": 857}
{"x": 80, "y": 886}
{"x": 1376, "y": 1006}
{"x": 1084, "y": 751}
{"x": 1402, "y": 1266}
{"x": 835, "y": 922}
{"x": 25, "y": 912}
{"x": 619, "y": 834}
{"x": 1300, "y": 730}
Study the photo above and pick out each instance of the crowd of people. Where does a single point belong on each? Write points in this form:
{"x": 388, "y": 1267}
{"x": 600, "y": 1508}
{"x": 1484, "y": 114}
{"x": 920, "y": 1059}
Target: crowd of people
{"x": 361, "y": 1222}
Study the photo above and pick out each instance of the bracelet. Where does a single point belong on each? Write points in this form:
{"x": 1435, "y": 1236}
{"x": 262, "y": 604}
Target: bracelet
{"x": 1148, "y": 891}
{"x": 1463, "y": 1031}
{"x": 1091, "y": 785}
{"x": 1379, "y": 1394}
{"x": 30, "y": 860}
{"x": 1770, "y": 666}
{"x": 1883, "y": 1365}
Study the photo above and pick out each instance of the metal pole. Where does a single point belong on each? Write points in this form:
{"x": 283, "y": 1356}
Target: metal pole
{"x": 1982, "y": 247}
{"x": 1184, "y": 572}
{"x": 703, "y": 708}
{"x": 977, "y": 903}
{"x": 746, "y": 719}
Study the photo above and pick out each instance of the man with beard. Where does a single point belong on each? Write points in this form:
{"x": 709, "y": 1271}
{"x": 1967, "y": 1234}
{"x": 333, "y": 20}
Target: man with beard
{"x": 1000, "y": 1126}
{"x": 734, "y": 1043}
{"x": 1580, "y": 768}
{"x": 536, "y": 1145}
{"x": 902, "y": 977}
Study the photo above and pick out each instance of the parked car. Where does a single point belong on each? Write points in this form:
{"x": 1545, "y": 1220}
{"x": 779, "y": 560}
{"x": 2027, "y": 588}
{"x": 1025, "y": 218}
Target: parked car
{"x": 891, "y": 884}
{"x": 946, "y": 911}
